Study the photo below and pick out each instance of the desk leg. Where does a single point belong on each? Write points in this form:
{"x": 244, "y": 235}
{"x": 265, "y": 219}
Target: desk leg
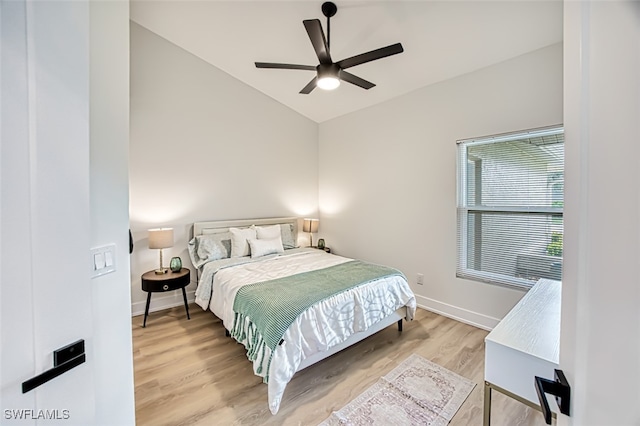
{"x": 186, "y": 306}
{"x": 146, "y": 310}
{"x": 487, "y": 405}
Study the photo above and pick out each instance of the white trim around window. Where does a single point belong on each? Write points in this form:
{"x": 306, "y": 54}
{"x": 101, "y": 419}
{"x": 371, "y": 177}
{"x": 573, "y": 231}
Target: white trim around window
{"x": 510, "y": 207}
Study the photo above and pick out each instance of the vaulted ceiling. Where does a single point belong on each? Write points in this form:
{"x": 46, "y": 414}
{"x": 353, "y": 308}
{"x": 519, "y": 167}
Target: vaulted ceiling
{"x": 441, "y": 39}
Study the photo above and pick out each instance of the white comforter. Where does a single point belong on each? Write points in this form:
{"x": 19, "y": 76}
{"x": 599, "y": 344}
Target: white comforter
{"x": 318, "y": 329}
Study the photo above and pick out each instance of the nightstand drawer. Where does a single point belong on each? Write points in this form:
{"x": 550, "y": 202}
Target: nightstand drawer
{"x": 159, "y": 286}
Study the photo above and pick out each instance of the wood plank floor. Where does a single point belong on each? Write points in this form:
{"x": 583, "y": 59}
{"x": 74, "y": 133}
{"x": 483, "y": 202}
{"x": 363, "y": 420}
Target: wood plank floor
{"x": 188, "y": 373}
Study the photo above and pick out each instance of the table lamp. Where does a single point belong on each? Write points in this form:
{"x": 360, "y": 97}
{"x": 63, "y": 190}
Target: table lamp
{"x": 161, "y": 238}
{"x": 310, "y": 226}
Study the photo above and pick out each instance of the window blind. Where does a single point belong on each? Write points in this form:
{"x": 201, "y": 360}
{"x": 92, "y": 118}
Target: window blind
{"x": 510, "y": 207}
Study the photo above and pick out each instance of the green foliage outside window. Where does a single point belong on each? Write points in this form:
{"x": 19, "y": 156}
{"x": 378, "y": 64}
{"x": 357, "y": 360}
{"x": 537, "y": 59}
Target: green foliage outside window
{"x": 554, "y": 248}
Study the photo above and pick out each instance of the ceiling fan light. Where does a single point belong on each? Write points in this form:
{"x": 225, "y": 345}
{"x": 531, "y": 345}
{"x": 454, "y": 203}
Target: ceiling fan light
{"x": 328, "y": 83}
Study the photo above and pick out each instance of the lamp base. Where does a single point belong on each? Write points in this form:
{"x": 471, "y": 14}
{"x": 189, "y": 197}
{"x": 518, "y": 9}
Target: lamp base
{"x": 161, "y": 271}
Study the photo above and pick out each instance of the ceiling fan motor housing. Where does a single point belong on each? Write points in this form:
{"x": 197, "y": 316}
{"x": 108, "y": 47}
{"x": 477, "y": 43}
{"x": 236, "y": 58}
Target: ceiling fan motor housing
{"x": 328, "y": 70}
{"x": 328, "y": 76}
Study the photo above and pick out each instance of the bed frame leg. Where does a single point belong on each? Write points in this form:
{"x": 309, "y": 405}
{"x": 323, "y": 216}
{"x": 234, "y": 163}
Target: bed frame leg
{"x": 399, "y": 325}
{"x": 226, "y": 333}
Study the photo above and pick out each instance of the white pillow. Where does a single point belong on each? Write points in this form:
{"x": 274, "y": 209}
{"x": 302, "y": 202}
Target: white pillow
{"x": 239, "y": 237}
{"x": 261, "y": 248}
{"x": 268, "y": 232}
{"x": 285, "y": 231}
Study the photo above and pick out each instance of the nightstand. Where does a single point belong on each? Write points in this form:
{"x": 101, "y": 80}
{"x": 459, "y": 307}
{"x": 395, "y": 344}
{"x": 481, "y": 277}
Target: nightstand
{"x": 158, "y": 283}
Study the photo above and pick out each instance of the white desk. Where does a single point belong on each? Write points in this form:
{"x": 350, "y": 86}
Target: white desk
{"x": 523, "y": 345}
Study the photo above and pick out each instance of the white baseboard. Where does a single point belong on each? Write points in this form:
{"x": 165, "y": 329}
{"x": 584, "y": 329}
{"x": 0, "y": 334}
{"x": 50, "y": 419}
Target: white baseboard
{"x": 459, "y": 314}
{"x": 160, "y": 301}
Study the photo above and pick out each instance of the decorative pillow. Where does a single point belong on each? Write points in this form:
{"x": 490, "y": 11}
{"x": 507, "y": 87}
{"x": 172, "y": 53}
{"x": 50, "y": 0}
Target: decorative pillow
{"x": 193, "y": 253}
{"x": 239, "y": 245}
{"x": 261, "y": 248}
{"x": 268, "y": 232}
{"x": 204, "y": 248}
{"x": 286, "y": 233}
{"x": 214, "y": 246}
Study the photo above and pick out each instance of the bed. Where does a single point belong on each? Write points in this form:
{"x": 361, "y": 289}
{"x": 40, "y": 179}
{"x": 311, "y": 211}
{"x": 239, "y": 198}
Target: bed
{"x": 289, "y": 306}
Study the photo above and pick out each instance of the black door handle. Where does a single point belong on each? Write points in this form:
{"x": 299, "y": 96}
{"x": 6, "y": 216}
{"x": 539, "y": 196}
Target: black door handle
{"x": 558, "y": 387}
{"x": 64, "y": 359}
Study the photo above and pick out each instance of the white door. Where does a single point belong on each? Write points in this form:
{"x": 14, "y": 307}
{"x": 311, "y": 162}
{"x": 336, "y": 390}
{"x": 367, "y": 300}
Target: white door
{"x": 600, "y": 331}
{"x": 44, "y": 200}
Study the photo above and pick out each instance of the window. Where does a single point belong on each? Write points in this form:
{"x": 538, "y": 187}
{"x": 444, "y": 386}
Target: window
{"x": 510, "y": 203}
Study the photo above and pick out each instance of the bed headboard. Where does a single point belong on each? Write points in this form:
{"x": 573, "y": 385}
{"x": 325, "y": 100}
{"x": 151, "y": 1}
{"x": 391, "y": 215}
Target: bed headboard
{"x": 213, "y": 227}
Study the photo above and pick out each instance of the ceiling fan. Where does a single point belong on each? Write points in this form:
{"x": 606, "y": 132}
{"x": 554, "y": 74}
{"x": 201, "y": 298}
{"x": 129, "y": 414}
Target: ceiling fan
{"x": 329, "y": 73}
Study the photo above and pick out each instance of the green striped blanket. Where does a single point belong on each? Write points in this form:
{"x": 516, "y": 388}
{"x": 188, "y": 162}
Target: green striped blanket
{"x": 264, "y": 311}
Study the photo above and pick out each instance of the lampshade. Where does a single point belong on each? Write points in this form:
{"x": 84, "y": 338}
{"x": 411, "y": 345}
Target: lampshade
{"x": 160, "y": 238}
{"x": 310, "y": 225}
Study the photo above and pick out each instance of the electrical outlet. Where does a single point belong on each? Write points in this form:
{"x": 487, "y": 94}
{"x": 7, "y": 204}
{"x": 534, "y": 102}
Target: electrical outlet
{"x": 420, "y": 279}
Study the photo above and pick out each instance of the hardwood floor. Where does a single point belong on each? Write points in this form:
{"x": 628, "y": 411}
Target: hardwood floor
{"x": 189, "y": 373}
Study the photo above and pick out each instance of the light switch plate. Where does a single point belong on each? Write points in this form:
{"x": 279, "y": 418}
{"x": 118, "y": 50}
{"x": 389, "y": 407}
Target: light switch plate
{"x": 102, "y": 260}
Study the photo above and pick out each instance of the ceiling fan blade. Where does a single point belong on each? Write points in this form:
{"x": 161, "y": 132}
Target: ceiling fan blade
{"x": 383, "y": 52}
{"x": 309, "y": 87}
{"x": 285, "y": 66}
{"x": 348, "y": 77}
{"x": 319, "y": 42}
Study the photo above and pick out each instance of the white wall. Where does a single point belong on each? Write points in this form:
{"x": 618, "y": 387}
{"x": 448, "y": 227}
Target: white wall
{"x": 205, "y": 146}
{"x": 600, "y": 337}
{"x": 388, "y": 175}
{"x": 109, "y": 203}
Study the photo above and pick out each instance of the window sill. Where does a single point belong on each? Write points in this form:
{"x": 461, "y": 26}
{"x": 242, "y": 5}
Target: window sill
{"x": 496, "y": 279}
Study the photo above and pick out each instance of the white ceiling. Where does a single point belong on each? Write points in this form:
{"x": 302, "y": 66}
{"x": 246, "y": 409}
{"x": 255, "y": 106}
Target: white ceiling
{"x": 441, "y": 39}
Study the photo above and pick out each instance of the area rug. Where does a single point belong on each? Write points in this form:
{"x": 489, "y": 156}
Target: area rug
{"x": 417, "y": 392}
